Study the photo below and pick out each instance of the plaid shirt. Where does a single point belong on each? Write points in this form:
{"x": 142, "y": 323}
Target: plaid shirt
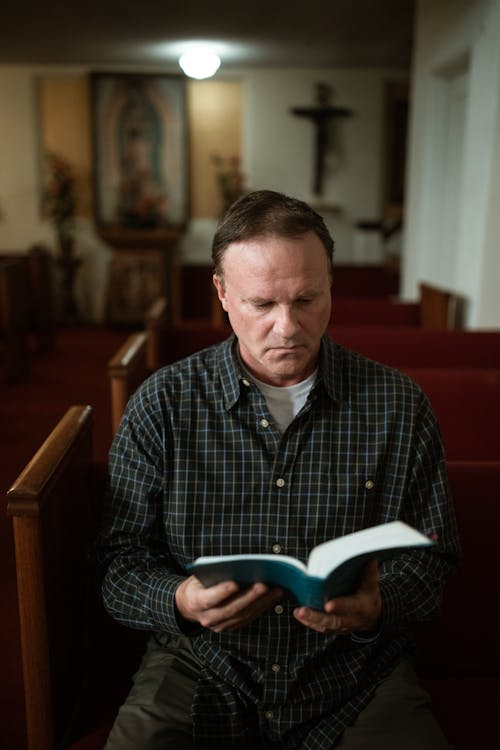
{"x": 198, "y": 468}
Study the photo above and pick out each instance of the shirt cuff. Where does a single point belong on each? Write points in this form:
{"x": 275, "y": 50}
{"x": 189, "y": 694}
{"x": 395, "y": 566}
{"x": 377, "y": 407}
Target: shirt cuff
{"x": 162, "y": 607}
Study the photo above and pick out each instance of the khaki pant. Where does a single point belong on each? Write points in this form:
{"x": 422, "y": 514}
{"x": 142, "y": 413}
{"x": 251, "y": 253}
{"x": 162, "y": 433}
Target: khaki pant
{"x": 156, "y": 714}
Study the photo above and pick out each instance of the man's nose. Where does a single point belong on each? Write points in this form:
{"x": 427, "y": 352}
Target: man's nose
{"x": 286, "y": 322}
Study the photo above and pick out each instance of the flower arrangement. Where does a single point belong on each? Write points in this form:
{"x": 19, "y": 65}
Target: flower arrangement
{"x": 230, "y": 179}
{"x": 59, "y": 200}
{"x": 59, "y": 204}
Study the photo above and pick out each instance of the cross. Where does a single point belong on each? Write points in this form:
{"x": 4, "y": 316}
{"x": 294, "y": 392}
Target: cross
{"x": 320, "y": 116}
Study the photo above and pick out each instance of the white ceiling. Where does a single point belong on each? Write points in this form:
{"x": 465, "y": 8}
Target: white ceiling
{"x": 338, "y": 33}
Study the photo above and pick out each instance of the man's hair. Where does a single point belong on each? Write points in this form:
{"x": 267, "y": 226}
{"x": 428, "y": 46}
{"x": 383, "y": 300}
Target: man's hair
{"x": 267, "y": 213}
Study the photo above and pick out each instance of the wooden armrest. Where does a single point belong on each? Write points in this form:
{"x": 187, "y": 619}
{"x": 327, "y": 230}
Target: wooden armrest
{"x": 52, "y": 502}
{"x": 127, "y": 369}
{"x": 156, "y": 322}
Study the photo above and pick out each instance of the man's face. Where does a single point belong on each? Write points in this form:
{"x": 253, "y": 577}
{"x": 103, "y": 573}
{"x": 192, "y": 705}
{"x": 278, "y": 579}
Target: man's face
{"x": 276, "y": 292}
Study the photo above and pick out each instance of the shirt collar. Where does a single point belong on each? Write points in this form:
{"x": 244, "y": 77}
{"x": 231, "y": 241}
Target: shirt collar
{"x": 330, "y": 370}
{"x": 233, "y": 380}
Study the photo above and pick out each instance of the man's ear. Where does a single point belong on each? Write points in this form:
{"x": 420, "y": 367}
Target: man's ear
{"x": 219, "y": 286}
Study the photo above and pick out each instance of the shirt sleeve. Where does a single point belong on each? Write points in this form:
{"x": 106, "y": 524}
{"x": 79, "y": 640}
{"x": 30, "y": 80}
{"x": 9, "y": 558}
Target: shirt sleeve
{"x": 412, "y": 584}
{"x": 140, "y": 578}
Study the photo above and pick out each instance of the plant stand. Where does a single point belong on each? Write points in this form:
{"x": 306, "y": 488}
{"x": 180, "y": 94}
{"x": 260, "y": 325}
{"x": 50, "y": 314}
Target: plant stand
{"x": 69, "y": 313}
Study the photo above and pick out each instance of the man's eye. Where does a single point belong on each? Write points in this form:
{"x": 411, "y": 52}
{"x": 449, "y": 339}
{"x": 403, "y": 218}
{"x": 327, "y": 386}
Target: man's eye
{"x": 262, "y": 305}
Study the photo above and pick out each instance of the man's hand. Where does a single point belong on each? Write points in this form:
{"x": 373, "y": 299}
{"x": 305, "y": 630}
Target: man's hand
{"x": 223, "y": 607}
{"x": 348, "y": 614}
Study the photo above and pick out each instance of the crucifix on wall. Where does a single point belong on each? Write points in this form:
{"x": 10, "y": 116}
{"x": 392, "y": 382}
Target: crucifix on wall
{"x": 320, "y": 115}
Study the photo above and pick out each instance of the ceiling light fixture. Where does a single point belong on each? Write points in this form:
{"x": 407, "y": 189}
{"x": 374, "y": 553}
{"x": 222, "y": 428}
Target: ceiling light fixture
{"x": 199, "y": 63}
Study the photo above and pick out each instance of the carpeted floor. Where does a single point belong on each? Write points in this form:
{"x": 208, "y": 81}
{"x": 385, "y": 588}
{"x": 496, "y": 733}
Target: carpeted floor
{"x": 74, "y": 373}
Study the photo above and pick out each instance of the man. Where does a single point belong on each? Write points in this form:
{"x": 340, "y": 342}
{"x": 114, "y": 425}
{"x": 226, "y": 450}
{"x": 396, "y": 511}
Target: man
{"x": 274, "y": 441}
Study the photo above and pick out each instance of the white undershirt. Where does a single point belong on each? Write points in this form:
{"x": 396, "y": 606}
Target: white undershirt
{"x": 284, "y": 402}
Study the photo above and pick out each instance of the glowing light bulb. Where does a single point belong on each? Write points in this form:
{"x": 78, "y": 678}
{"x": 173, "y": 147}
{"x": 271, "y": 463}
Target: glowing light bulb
{"x": 199, "y": 63}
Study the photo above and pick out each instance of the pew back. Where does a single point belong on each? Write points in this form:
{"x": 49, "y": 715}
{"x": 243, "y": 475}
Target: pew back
{"x": 49, "y": 503}
{"x": 156, "y": 322}
{"x": 126, "y": 371}
{"x": 76, "y": 660}
{"x": 395, "y": 346}
{"x": 13, "y": 319}
{"x": 463, "y": 397}
{"x": 421, "y": 347}
{"x": 466, "y": 402}
{"x": 458, "y": 654}
{"x": 440, "y": 308}
{"x": 374, "y": 312}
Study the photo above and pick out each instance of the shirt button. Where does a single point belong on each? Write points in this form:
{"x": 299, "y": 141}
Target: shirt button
{"x": 268, "y": 715}
{"x": 280, "y": 482}
{"x": 369, "y": 484}
{"x": 279, "y": 609}
{"x": 276, "y": 668}
{"x": 246, "y": 382}
{"x": 264, "y": 423}
{"x": 276, "y": 548}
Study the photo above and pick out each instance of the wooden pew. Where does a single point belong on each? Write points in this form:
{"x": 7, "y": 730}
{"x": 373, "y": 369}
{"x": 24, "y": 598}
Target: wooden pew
{"x": 440, "y": 309}
{"x": 422, "y": 347}
{"x": 467, "y": 405}
{"x": 357, "y": 280}
{"x": 126, "y": 371}
{"x": 463, "y": 387}
{"x": 374, "y": 312}
{"x": 13, "y": 320}
{"x": 41, "y": 312}
{"x": 460, "y": 664}
{"x": 395, "y": 346}
{"x": 146, "y": 351}
{"x": 156, "y": 325}
{"x": 37, "y": 267}
{"x": 77, "y": 662}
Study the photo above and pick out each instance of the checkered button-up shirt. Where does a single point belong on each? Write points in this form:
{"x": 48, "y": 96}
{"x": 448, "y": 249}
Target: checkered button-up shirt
{"x": 199, "y": 468}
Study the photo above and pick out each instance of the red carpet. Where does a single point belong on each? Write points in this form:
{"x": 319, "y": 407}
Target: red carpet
{"x": 74, "y": 373}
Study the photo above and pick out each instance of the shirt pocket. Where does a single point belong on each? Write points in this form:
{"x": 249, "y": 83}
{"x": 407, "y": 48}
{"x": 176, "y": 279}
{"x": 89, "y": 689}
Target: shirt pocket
{"x": 353, "y": 501}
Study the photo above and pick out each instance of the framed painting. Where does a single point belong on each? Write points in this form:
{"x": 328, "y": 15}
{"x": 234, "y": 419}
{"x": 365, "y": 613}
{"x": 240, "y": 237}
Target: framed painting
{"x": 140, "y": 150}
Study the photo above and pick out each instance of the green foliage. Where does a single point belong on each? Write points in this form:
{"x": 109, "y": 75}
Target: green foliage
{"x": 230, "y": 180}
{"x": 59, "y": 199}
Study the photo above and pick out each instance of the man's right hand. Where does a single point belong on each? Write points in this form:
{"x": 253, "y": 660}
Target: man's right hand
{"x": 223, "y": 607}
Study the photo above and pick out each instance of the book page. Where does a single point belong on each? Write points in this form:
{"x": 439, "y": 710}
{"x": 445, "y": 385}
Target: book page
{"x": 327, "y": 556}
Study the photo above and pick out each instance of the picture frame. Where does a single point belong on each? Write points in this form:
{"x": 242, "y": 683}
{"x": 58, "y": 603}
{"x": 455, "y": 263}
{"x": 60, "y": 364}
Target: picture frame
{"x": 140, "y": 150}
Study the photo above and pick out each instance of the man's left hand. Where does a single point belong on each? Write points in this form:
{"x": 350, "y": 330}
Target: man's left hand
{"x": 359, "y": 612}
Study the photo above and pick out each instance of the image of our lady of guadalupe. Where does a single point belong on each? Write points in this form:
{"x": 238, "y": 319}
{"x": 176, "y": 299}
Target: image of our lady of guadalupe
{"x": 141, "y": 197}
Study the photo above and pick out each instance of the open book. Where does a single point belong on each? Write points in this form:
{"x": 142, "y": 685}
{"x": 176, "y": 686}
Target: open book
{"x": 334, "y": 568}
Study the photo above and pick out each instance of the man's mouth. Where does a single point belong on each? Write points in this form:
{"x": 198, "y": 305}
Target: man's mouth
{"x": 289, "y": 349}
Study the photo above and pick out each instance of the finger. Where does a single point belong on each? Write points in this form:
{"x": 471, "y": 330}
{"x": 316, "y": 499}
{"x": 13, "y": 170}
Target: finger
{"x": 321, "y": 622}
{"x": 216, "y": 595}
{"x": 230, "y": 618}
{"x": 254, "y": 597}
{"x": 348, "y": 606}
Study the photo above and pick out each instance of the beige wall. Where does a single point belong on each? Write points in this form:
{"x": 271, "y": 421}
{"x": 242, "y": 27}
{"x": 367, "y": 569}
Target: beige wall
{"x": 452, "y": 213}
{"x": 215, "y": 109}
{"x": 65, "y": 129}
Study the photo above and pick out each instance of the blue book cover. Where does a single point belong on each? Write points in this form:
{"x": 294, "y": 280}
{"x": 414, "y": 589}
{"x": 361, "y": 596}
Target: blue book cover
{"x": 333, "y": 569}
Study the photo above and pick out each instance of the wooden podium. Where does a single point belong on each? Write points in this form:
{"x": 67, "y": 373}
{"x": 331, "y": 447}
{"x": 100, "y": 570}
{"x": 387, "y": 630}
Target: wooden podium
{"x": 144, "y": 267}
